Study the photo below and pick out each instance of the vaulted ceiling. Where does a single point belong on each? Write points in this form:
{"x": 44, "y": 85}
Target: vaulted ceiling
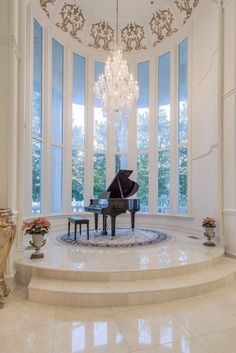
{"x": 143, "y": 24}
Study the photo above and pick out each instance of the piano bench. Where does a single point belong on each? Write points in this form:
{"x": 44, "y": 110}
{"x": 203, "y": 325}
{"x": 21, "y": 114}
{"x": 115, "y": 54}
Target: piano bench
{"x": 78, "y": 220}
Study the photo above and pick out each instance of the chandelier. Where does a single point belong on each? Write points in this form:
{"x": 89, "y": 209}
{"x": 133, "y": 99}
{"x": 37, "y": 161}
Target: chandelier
{"x": 116, "y": 88}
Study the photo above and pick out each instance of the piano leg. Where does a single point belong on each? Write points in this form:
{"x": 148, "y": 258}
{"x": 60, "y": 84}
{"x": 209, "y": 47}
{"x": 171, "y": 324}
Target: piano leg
{"x": 104, "y": 224}
{"x": 96, "y": 221}
{"x": 132, "y": 213}
{"x": 113, "y": 226}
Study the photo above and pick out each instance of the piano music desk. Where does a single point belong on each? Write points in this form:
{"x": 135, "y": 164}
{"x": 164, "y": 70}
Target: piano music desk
{"x": 78, "y": 220}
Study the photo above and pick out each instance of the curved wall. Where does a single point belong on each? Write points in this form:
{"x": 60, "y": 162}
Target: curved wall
{"x": 204, "y": 164}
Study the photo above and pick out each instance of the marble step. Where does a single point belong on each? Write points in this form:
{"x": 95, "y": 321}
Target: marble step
{"x": 124, "y": 293}
{"x": 26, "y": 271}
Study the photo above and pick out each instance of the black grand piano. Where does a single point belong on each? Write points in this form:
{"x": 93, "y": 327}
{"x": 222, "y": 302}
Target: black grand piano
{"x": 113, "y": 202}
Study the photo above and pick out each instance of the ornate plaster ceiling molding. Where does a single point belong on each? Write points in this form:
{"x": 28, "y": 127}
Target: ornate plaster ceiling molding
{"x": 186, "y": 6}
{"x": 44, "y": 5}
{"x": 99, "y": 33}
{"x": 161, "y": 25}
{"x": 72, "y": 20}
{"x": 132, "y": 36}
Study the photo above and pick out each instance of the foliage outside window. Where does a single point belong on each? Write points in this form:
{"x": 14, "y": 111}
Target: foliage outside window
{"x": 37, "y": 118}
{"x": 183, "y": 128}
{"x": 78, "y": 133}
{"x": 163, "y": 134}
{"x": 100, "y": 141}
{"x": 143, "y": 135}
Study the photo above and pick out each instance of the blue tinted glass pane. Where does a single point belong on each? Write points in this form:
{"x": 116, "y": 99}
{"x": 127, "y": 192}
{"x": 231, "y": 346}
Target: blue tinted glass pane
{"x": 78, "y": 101}
{"x": 183, "y": 91}
{"x": 100, "y": 121}
{"x": 56, "y": 179}
{"x": 143, "y": 181}
{"x": 36, "y": 176}
{"x": 164, "y": 101}
{"x": 57, "y": 92}
{"x": 121, "y": 162}
{"x": 164, "y": 181}
{"x": 98, "y": 70}
{"x": 183, "y": 154}
{"x": 99, "y": 170}
{"x": 37, "y": 80}
{"x": 77, "y": 181}
{"x": 143, "y": 106}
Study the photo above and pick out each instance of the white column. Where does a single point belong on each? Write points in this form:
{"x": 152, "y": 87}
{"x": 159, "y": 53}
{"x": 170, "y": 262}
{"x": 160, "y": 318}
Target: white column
{"x": 13, "y": 109}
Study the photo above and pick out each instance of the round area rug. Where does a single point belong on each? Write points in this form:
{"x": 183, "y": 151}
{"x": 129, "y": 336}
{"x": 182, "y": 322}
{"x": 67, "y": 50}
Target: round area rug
{"x": 124, "y": 237}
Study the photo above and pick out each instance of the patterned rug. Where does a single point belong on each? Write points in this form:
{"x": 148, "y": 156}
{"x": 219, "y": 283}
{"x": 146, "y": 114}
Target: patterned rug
{"x": 124, "y": 237}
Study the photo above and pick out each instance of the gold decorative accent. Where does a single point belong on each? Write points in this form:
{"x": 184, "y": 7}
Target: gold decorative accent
{"x": 133, "y": 33}
{"x": 101, "y": 31}
{"x": 161, "y": 25}
{"x": 72, "y": 17}
{"x": 185, "y": 5}
{"x": 44, "y": 4}
{"x": 7, "y": 232}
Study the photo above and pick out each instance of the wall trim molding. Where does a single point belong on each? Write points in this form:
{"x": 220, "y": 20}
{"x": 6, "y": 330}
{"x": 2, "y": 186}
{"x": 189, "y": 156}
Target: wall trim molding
{"x": 11, "y": 41}
{"x": 229, "y": 211}
{"x": 229, "y": 93}
{"x": 206, "y": 153}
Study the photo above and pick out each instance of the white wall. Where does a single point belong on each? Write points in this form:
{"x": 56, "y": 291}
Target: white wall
{"x": 205, "y": 86}
{"x": 229, "y": 127}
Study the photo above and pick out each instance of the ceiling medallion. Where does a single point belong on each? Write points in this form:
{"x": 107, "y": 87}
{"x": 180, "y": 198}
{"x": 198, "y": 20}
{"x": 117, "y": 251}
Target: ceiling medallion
{"x": 161, "y": 25}
{"x": 101, "y": 31}
{"x": 44, "y": 4}
{"x": 116, "y": 88}
{"x": 185, "y": 6}
{"x": 133, "y": 33}
{"x": 71, "y": 17}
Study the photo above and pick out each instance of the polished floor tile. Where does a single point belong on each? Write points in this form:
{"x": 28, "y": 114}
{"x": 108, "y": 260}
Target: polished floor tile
{"x": 200, "y": 315}
{"x": 181, "y": 250}
{"x": 37, "y": 339}
{"x": 196, "y": 325}
{"x": 220, "y": 342}
{"x": 185, "y": 345}
{"x": 150, "y": 326}
{"x": 98, "y": 334}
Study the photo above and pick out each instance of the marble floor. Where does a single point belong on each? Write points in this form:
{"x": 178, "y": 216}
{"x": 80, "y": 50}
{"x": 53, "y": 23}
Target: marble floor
{"x": 202, "y": 324}
{"x": 181, "y": 250}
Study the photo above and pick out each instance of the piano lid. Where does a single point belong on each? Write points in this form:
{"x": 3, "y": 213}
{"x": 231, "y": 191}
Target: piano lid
{"x": 121, "y": 186}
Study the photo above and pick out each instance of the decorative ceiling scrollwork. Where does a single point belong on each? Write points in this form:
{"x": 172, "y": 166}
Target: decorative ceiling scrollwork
{"x": 132, "y": 36}
{"x": 161, "y": 25}
{"x": 72, "y": 20}
{"x": 44, "y": 5}
{"x": 99, "y": 34}
{"x": 187, "y": 7}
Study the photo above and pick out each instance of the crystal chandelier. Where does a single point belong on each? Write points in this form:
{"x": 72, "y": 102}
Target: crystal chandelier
{"x": 116, "y": 88}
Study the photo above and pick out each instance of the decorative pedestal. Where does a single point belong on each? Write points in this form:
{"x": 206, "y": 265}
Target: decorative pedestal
{"x": 7, "y": 236}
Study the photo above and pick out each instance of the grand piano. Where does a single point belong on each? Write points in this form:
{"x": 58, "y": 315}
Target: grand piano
{"x": 114, "y": 202}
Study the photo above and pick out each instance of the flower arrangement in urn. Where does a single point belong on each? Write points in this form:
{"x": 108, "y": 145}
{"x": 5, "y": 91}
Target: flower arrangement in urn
{"x": 209, "y": 224}
{"x": 38, "y": 227}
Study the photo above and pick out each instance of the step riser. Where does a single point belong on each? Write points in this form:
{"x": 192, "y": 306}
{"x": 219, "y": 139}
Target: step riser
{"x": 24, "y": 273}
{"x": 125, "y": 299}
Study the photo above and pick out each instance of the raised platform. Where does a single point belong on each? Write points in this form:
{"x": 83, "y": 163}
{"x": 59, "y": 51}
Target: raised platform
{"x": 82, "y": 276}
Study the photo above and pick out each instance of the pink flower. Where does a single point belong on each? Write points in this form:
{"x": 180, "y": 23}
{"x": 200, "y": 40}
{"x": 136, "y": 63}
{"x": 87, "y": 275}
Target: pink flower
{"x": 38, "y": 225}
